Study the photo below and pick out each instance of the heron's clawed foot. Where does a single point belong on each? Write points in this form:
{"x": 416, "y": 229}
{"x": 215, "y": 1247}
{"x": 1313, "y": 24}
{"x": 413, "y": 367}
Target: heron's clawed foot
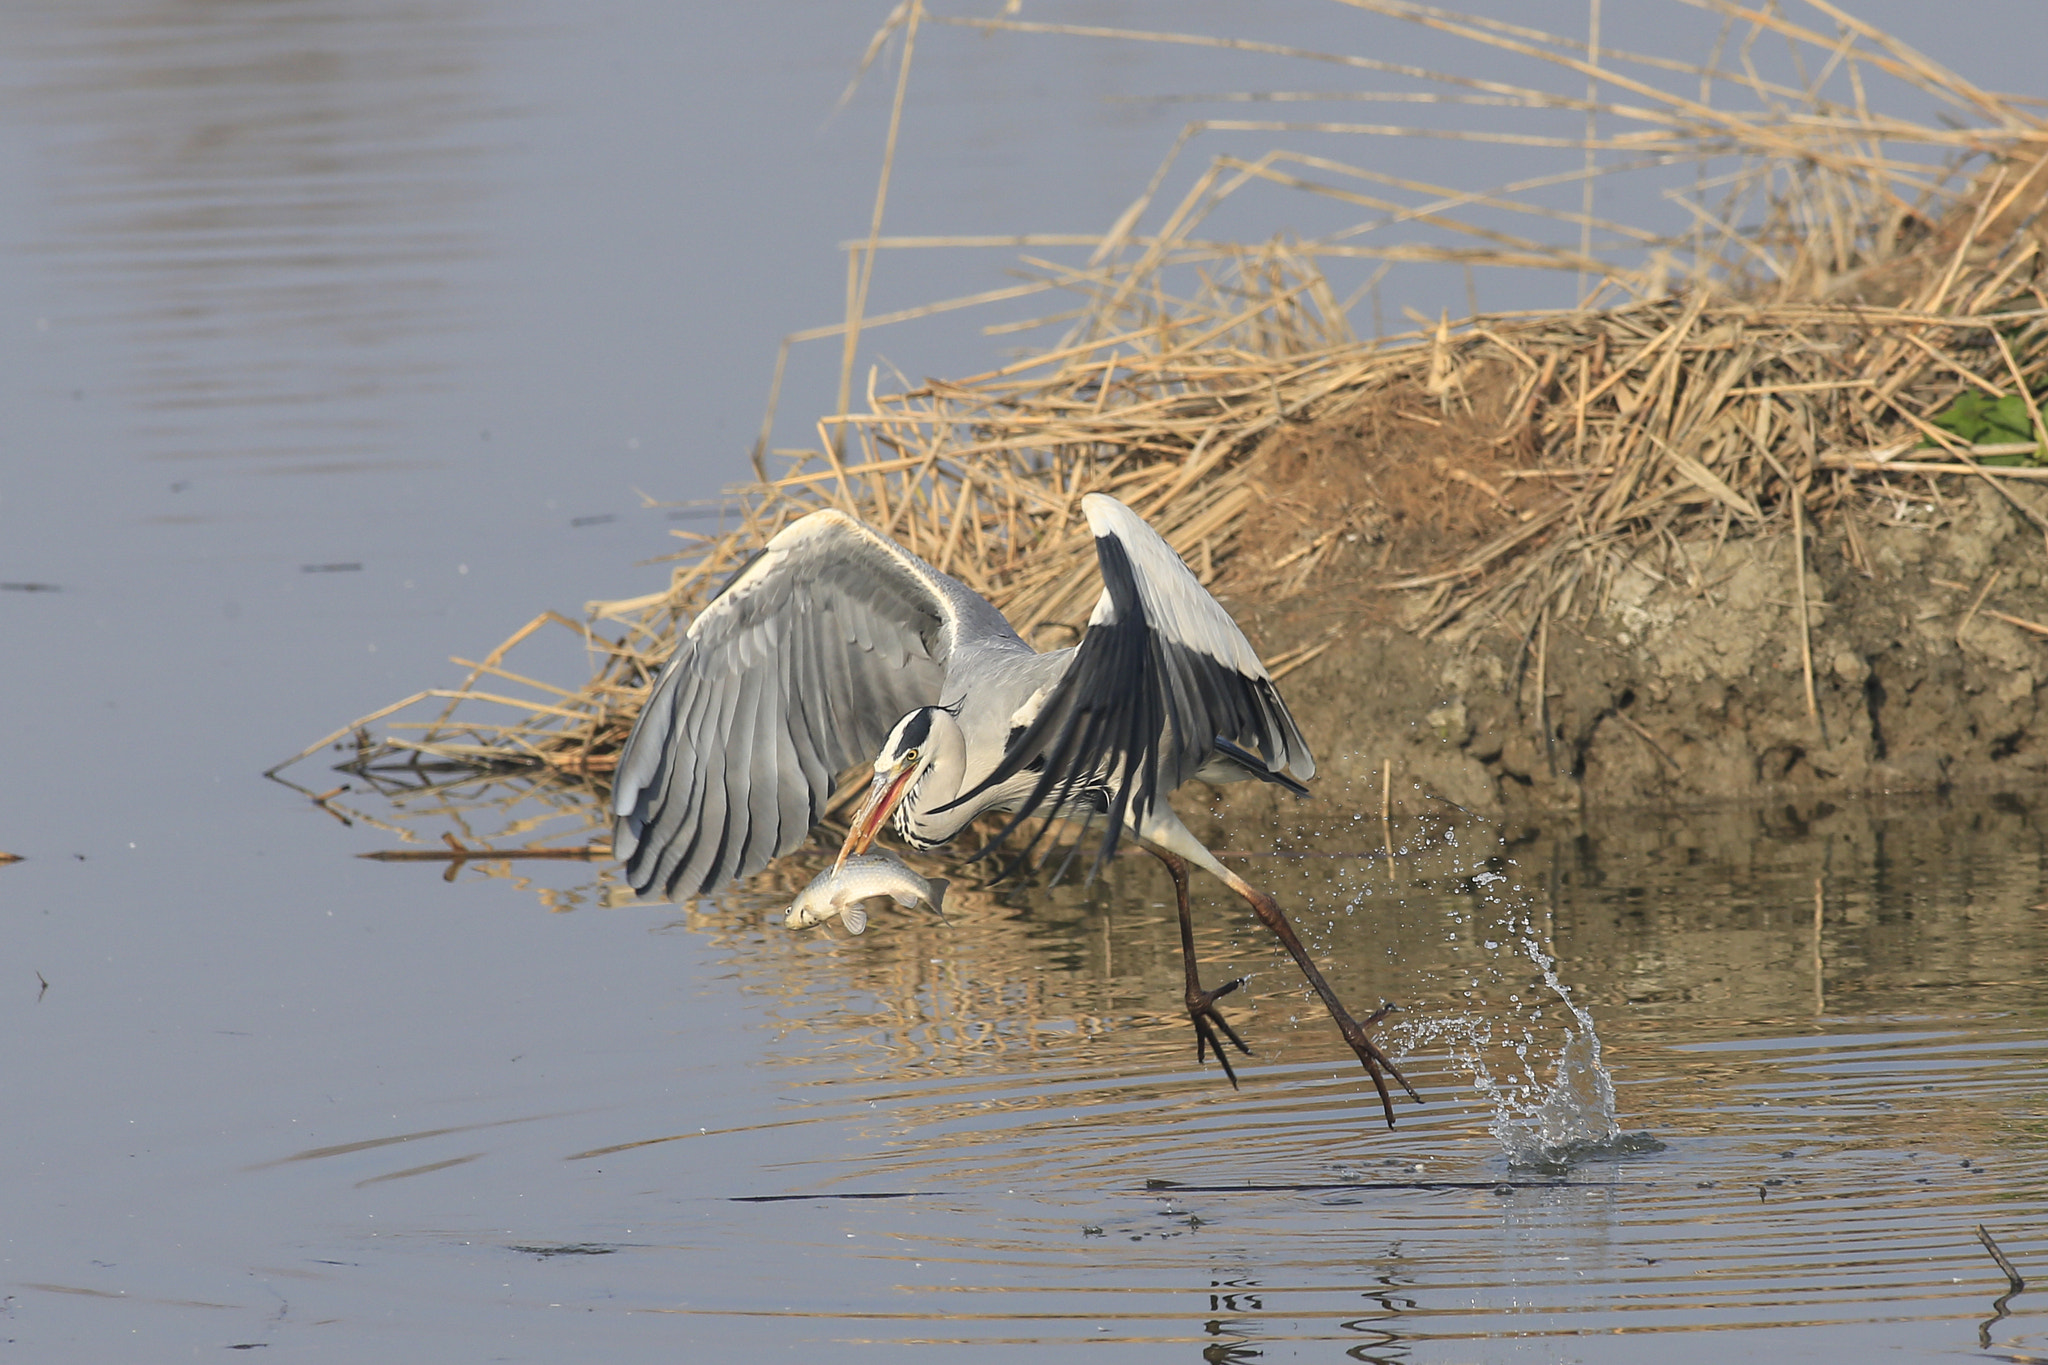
{"x": 1376, "y": 1061}
{"x": 1207, "y": 1019}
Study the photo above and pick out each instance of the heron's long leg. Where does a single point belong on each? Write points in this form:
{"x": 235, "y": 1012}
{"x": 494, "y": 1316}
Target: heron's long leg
{"x": 1162, "y": 831}
{"x": 1268, "y": 911}
{"x": 1201, "y": 1003}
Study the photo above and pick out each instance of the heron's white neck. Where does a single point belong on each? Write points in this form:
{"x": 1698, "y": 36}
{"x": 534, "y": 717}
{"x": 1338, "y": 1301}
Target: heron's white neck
{"x": 942, "y": 775}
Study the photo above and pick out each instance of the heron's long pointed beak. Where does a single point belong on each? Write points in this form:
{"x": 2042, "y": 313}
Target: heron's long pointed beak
{"x": 883, "y": 796}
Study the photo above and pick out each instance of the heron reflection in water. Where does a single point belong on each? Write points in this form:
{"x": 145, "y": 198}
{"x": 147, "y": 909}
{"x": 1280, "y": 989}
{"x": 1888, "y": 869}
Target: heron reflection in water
{"x": 835, "y": 644}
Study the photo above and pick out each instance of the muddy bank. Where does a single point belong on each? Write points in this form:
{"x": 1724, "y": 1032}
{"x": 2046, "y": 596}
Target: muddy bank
{"x": 1686, "y": 684}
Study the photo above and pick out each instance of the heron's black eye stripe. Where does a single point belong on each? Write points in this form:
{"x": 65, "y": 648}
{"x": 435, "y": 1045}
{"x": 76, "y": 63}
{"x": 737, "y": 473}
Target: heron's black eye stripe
{"x": 917, "y": 728}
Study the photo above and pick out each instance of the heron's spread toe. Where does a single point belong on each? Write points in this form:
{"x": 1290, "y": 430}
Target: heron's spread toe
{"x": 1207, "y": 1019}
{"x": 1378, "y": 1064}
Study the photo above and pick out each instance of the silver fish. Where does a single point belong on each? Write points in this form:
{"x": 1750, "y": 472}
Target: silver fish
{"x": 843, "y": 890}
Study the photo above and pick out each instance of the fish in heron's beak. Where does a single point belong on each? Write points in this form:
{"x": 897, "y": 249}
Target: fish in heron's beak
{"x": 883, "y": 798}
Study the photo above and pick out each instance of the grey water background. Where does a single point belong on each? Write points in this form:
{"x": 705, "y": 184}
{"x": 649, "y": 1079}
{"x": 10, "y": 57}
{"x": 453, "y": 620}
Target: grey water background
{"x": 337, "y": 338}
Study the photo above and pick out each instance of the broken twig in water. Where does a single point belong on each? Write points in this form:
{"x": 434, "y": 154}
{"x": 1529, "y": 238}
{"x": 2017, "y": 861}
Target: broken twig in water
{"x": 459, "y": 853}
{"x": 2012, "y": 1277}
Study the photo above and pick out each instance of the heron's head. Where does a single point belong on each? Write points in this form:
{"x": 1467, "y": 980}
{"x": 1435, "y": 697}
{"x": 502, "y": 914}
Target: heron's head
{"x": 907, "y": 755}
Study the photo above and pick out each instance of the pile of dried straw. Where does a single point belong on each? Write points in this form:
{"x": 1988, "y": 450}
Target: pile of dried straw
{"x": 1776, "y": 364}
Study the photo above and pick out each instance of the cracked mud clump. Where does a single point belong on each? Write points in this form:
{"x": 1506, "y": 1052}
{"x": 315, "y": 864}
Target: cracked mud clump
{"x": 1684, "y": 681}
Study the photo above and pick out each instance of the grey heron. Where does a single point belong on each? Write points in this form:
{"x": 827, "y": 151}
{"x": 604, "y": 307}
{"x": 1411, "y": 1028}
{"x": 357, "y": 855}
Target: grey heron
{"x": 834, "y": 644}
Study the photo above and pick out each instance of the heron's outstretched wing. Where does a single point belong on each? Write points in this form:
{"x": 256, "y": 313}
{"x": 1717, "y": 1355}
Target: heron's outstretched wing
{"x": 1163, "y": 683}
{"x": 795, "y": 672}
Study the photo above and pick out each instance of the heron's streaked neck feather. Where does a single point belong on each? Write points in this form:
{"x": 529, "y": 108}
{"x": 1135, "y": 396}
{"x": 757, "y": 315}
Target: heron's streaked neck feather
{"x": 920, "y": 818}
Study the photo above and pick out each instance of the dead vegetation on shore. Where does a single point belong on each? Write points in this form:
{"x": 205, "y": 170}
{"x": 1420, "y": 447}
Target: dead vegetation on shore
{"x": 1793, "y": 357}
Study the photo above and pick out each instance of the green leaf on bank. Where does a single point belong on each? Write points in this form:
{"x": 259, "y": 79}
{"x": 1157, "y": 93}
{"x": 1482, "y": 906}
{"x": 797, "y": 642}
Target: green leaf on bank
{"x": 1980, "y": 419}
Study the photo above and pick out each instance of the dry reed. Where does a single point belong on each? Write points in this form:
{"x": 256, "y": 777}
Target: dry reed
{"x": 1767, "y": 368}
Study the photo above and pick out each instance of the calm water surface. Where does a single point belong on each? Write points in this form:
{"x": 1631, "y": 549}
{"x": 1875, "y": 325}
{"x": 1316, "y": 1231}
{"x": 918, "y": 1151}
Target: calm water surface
{"x": 1825, "y": 1032}
{"x": 338, "y": 338}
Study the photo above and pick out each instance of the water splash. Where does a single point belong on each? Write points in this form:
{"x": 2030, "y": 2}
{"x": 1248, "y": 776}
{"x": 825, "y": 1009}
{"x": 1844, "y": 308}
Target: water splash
{"x": 1575, "y": 1114}
{"x": 1550, "y": 1124}
{"x": 1576, "y": 1118}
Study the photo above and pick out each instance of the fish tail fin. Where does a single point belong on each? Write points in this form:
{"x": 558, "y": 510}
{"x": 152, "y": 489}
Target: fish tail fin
{"x": 855, "y": 917}
{"x": 938, "y": 897}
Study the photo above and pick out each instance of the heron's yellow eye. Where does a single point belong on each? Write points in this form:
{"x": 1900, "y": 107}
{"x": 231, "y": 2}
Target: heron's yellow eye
{"x": 910, "y": 757}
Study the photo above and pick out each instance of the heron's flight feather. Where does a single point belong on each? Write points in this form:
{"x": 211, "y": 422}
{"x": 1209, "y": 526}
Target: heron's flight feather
{"x": 795, "y": 672}
{"x": 1161, "y": 682}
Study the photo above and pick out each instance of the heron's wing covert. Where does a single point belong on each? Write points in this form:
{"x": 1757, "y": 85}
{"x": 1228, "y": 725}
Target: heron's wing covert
{"x": 1162, "y": 675}
{"x": 794, "y": 673}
